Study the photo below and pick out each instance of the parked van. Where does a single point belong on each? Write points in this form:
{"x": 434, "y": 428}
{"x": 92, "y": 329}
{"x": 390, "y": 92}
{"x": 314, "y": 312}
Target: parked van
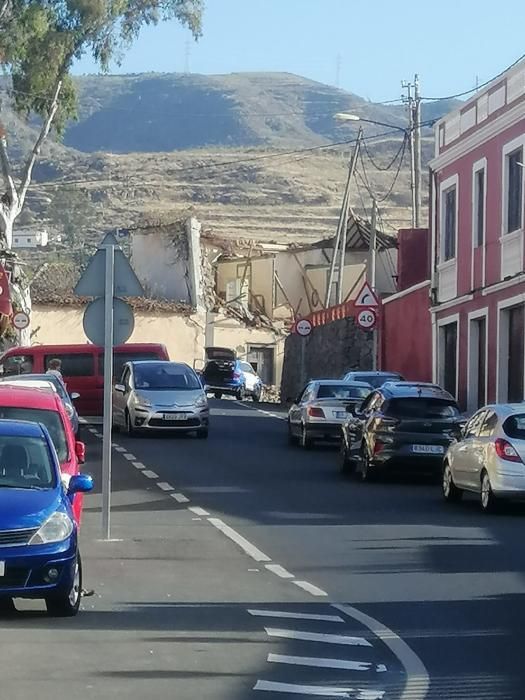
{"x": 82, "y": 366}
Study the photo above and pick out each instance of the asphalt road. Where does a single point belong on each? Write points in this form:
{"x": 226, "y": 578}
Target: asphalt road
{"x": 246, "y": 568}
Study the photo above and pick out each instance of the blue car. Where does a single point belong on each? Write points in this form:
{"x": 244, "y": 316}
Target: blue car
{"x": 222, "y": 374}
{"x": 39, "y": 555}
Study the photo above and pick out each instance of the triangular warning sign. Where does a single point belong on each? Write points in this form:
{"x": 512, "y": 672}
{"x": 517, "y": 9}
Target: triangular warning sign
{"x": 366, "y": 296}
{"x": 93, "y": 281}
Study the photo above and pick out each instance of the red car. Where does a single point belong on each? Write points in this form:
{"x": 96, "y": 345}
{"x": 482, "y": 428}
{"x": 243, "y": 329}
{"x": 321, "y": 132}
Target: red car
{"x": 45, "y": 406}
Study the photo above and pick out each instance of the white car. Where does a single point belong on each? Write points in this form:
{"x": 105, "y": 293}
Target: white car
{"x": 489, "y": 459}
{"x": 253, "y": 383}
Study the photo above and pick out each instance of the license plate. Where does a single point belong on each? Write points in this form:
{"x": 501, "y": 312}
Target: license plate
{"x": 2, "y": 568}
{"x": 341, "y": 414}
{"x": 428, "y": 449}
{"x": 175, "y": 416}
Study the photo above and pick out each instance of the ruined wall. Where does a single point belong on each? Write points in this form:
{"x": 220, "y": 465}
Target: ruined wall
{"x": 329, "y": 352}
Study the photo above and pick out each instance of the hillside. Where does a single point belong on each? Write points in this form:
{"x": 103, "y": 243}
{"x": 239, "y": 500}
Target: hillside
{"x": 147, "y": 146}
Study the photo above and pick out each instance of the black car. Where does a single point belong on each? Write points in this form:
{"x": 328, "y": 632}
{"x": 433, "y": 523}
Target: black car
{"x": 375, "y": 379}
{"x": 402, "y": 425}
{"x": 222, "y": 373}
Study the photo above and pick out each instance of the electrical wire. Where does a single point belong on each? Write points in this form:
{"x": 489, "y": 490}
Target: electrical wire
{"x": 391, "y": 164}
{"x": 478, "y": 87}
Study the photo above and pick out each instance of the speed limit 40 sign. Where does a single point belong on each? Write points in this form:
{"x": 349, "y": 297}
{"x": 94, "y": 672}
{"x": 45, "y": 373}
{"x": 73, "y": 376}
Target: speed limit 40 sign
{"x": 366, "y": 319}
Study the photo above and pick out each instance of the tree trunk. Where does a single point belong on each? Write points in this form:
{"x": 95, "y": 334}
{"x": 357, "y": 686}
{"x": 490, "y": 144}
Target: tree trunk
{"x": 6, "y": 231}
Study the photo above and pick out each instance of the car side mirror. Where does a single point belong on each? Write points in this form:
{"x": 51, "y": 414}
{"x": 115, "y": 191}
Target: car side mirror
{"x": 80, "y": 483}
{"x": 80, "y": 451}
{"x": 75, "y": 395}
{"x": 120, "y": 388}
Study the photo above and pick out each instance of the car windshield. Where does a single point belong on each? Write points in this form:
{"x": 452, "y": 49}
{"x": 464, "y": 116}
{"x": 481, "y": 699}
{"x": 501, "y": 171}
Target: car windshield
{"x": 342, "y": 391}
{"x": 514, "y": 427}
{"x": 25, "y": 463}
{"x": 421, "y": 407}
{"x": 51, "y": 420}
{"x": 377, "y": 380}
{"x": 165, "y": 376}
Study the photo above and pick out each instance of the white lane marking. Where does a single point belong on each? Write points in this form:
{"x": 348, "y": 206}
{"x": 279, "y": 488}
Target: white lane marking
{"x": 243, "y": 543}
{"x": 279, "y": 570}
{"x": 417, "y": 681}
{"x": 129, "y": 457}
{"x": 150, "y": 474}
{"x": 164, "y": 486}
{"x": 295, "y": 616}
{"x": 265, "y": 413}
{"x": 319, "y": 662}
{"x": 328, "y": 691}
{"x": 118, "y": 448}
{"x": 97, "y": 434}
{"x": 310, "y": 588}
{"x": 180, "y": 497}
{"x": 198, "y": 511}
{"x": 317, "y": 637}
{"x": 138, "y": 465}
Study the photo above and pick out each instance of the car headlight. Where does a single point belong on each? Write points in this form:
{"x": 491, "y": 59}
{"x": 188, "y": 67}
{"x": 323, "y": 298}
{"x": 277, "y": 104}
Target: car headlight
{"x": 57, "y": 528}
{"x": 201, "y": 402}
{"x": 70, "y": 410}
{"x": 142, "y": 401}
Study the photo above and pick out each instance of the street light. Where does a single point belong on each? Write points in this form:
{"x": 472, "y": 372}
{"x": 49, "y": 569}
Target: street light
{"x": 347, "y": 117}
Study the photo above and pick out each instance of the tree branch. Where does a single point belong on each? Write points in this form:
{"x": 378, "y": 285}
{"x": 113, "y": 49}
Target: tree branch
{"x": 5, "y": 164}
{"x": 4, "y": 6}
{"x": 44, "y": 131}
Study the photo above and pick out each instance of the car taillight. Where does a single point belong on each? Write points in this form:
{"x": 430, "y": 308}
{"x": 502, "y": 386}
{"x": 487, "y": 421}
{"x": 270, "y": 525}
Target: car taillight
{"x": 236, "y": 375}
{"x": 315, "y": 412}
{"x": 378, "y": 447}
{"x": 505, "y": 451}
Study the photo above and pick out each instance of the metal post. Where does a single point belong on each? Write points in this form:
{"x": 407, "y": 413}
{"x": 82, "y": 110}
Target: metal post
{"x": 303, "y": 361}
{"x": 372, "y": 273}
{"x": 108, "y": 384}
{"x": 417, "y": 147}
{"x": 408, "y": 87}
{"x": 346, "y": 206}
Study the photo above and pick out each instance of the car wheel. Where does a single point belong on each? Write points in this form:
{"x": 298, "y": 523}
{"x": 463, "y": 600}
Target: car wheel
{"x": 347, "y": 465}
{"x": 488, "y": 500}
{"x": 241, "y": 394}
{"x": 7, "y": 606}
{"x": 365, "y": 472}
{"x": 292, "y": 439}
{"x": 451, "y": 493}
{"x": 256, "y": 396}
{"x": 130, "y": 430}
{"x": 202, "y": 433}
{"x": 67, "y": 604}
{"x": 306, "y": 440}
{"x": 218, "y": 394}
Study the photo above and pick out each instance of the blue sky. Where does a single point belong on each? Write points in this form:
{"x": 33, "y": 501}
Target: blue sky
{"x": 449, "y": 43}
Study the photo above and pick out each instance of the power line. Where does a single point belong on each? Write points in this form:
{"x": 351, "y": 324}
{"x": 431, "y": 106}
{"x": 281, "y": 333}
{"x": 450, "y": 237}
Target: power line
{"x": 394, "y": 159}
{"x": 478, "y": 87}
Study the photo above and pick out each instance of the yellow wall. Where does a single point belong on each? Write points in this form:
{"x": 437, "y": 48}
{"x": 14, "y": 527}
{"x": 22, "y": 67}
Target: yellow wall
{"x": 261, "y": 279}
{"x": 183, "y": 337}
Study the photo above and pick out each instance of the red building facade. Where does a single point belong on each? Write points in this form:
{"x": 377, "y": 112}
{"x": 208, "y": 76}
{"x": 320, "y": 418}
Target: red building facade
{"x": 477, "y": 225}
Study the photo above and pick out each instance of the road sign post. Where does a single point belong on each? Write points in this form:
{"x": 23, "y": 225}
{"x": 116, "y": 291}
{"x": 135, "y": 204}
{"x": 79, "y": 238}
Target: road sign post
{"x": 108, "y": 276}
{"x": 108, "y": 385}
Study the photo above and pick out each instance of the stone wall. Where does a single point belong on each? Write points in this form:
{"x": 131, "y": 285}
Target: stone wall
{"x": 329, "y": 352}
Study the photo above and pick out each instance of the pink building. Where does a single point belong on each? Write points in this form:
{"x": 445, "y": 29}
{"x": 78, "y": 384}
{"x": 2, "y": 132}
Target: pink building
{"x": 477, "y": 245}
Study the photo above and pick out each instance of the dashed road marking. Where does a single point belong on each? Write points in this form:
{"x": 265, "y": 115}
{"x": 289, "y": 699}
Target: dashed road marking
{"x": 180, "y": 497}
{"x": 295, "y": 616}
{"x": 150, "y": 475}
{"x": 119, "y": 448}
{"x": 331, "y": 691}
{"x": 138, "y": 465}
{"x": 164, "y": 486}
{"x": 198, "y": 511}
{"x": 320, "y": 662}
{"x": 250, "y": 549}
{"x": 129, "y": 457}
{"x": 310, "y": 588}
{"x": 317, "y": 637}
{"x": 279, "y": 571}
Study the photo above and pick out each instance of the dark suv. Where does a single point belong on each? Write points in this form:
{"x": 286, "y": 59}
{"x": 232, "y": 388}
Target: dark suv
{"x": 401, "y": 424}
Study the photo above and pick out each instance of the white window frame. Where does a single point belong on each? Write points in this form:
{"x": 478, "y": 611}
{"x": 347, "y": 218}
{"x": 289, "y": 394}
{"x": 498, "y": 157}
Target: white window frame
{"x": 502, "y": 345}
{"x": 454, "y": 318}
{"x": 509, "y": 148}
{"x": 473, "y": 363}
{"x": 476, "y": 168}
{"x": 444, "y": 187}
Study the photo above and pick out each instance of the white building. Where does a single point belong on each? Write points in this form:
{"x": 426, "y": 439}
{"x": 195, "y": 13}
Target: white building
{"x": 30, "y": 238}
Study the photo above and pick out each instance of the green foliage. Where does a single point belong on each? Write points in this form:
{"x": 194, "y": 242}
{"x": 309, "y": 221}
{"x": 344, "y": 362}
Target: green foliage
{"x": 40, "y": 39}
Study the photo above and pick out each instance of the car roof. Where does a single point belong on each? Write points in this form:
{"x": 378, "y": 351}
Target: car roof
{"x": 373, "y": 373}
{"x": 21, "y": 428}
{"x": 29, "y": 397}
{"x": 341, "y": 382}
{"x": 30, "y": 381}
{"x": 158, "y": 362}
{"x": 414, "y": 390}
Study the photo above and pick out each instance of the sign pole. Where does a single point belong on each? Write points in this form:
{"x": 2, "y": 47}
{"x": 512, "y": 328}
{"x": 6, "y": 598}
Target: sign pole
{"x": 302, "y": 340}
{"x": 108, "y": 385}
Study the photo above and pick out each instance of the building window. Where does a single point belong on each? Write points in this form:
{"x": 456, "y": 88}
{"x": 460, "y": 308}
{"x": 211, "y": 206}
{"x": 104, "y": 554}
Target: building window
{"x": 477, "y": 387}
{"x": 478, "y": 213}
{"x": 449, "y": 224}
{"x": 514, "y": 199}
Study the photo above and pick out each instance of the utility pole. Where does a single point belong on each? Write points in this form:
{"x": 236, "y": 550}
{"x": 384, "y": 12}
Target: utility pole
{"x": 340, "y": 238}
{"x": 371, "y": 273}
{"x": 417, "y": 145}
